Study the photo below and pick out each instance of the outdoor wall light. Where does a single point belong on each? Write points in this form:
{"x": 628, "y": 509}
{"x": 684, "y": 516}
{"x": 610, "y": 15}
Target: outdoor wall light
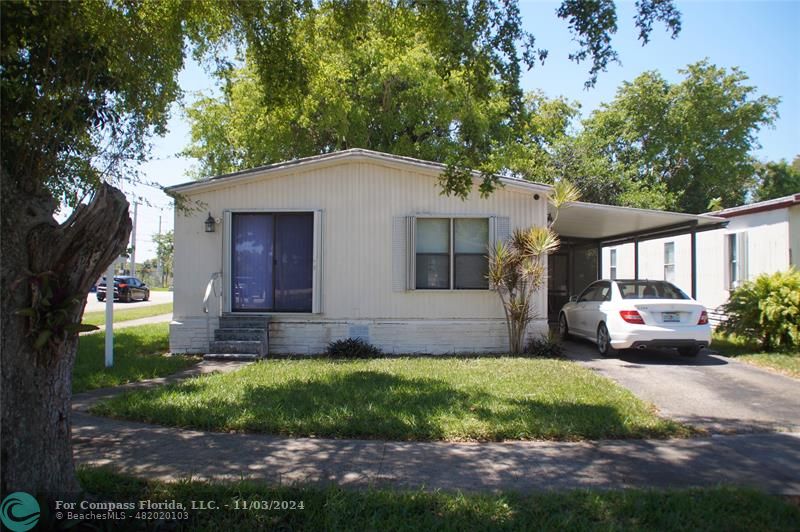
{"x": 211, "y": 224}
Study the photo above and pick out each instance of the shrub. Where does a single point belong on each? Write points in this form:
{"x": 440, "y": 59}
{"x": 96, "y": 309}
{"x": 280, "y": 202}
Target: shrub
{"x": 544, "y": 346}
{"x": 352, "y": 348}
{"x": 767, "y": 309}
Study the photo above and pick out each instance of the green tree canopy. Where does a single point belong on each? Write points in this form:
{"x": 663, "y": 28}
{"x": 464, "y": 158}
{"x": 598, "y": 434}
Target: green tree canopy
{"x": 675, "y": 145}
{"x": 775, "y": 180}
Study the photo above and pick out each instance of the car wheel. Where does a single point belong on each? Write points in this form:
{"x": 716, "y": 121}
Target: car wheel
{"x": 604, "y": 341}
{"x": 563, "y": 328}
{"x": 689, "y": 351}
{"x": 101, "y": 298}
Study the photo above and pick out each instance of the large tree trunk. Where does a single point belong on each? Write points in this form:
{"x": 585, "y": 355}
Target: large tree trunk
{"x": 37, "y": 382}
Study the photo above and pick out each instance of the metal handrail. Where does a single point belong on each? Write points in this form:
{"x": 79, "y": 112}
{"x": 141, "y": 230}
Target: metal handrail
{"x": 211, "y": 287}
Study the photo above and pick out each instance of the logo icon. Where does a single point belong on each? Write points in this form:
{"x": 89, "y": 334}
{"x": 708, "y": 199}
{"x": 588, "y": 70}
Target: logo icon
{"x": 19, "y": 511}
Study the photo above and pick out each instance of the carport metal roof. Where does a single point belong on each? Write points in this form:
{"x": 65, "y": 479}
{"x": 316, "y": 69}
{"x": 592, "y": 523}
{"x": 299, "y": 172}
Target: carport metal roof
{"x": 608, "y": 225}
{"x": 612, "y": 225}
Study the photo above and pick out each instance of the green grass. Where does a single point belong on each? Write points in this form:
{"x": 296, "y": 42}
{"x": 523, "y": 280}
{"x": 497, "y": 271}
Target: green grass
{"x": 403, "y": 399}
{"x": 99, "y": 318}
{"x": 139, "y": 353}
{"x": 332, "y": 508}
{"x": 787, "y": 363}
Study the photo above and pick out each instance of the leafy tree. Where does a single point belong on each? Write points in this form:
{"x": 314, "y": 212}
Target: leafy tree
{"x": 83, "y": 84}
{"x": 386, "y": 83}
{"x": 165, "y": 248}
{"x": 775, "y": 180}
{"x": 677, "y": 145}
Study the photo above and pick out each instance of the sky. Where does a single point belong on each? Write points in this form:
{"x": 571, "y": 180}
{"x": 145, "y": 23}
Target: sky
{"x": 757, "y": 36}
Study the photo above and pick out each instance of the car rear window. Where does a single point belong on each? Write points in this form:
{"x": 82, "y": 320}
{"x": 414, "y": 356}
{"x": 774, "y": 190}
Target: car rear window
{"x": 649, "y": 290}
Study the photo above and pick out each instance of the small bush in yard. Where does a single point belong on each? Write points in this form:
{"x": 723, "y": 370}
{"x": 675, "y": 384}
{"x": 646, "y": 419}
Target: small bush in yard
{"x": 767, "y": 309}
{"x": 544, "y": 346}
{"x": 352, "y": 348}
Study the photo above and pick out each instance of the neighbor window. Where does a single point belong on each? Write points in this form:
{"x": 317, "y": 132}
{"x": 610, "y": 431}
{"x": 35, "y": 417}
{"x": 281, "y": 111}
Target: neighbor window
{"x": 451, "y": 253}
{"x": 613, "y": 263}
{"x": 736, "y": 245}
{"x": 669, "y": 261}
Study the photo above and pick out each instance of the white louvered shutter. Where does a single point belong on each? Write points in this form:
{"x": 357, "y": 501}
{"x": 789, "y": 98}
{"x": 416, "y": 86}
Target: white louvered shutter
{"x": 316, "y": 298}
{"x": 502, "y": 228}
{"x": 403, "y": 259}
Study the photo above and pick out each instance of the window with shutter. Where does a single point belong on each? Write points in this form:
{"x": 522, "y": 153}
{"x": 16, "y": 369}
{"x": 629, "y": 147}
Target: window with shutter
{"x": 441, "y": 253}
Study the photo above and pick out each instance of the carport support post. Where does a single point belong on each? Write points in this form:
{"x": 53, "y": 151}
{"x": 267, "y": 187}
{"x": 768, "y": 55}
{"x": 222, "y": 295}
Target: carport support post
{"x": 693, "y": 240}
{"x": 636, "y": 259}
{"x": 110, "y": 315}
{"x": 599, "y": 260}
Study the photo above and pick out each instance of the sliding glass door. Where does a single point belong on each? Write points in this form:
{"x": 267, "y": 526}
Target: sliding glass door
{"x": 272, "y": 262}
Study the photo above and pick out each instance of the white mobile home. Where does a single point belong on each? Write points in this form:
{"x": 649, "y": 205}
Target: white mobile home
{"x": 360, "y": 244}
{"x": 759, "y": 238}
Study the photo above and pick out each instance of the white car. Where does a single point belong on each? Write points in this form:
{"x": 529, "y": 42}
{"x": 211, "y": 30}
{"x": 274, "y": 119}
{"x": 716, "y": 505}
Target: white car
{"x": 636, "y": 314}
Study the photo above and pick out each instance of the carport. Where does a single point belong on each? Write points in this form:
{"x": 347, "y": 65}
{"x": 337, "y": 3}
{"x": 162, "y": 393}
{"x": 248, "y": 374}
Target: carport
{"x": 586, "y": 228}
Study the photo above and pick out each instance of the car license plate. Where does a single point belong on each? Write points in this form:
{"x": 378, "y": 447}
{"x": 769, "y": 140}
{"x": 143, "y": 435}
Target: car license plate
{"x": 670, "y": 317}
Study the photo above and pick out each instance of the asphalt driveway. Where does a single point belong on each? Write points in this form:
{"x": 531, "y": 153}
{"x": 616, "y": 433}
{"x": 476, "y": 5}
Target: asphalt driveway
{"x": 710, "y": 392}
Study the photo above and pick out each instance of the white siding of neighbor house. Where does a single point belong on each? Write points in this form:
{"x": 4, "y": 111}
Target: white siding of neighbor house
{"x": 794, "y": 235}
{"x": 359, "y": 200}
{"x": 768, "y": 245}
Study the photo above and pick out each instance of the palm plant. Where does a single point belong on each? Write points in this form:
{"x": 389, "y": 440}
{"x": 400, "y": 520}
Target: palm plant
{"x": 517, "y": 268}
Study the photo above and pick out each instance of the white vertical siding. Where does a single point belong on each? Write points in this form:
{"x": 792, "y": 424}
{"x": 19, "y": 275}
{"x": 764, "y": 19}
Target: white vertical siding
{"x": 768, "y": 252}
{"x": 360, "y": 200}
{"x": 794, "y": 235}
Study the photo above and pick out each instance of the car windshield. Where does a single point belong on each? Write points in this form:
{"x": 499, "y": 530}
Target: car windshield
{"x": 649, "y": 290}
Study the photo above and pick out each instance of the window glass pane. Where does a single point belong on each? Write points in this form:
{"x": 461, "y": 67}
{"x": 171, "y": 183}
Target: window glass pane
{"x": 669, "y": 253}
{"x": 588, "y": 294}
{"x": 650, "y": 290}
{"x": 252, "y": 262}
{"x": 471, "y": 235}
{"x": 613, "y": 258}
{"x": 433, "y": 235}
{"x": 471, "y": 271}
{"x": 669, "y": 272}
{"x": 433, "y": 271}
{"x": 294, "y": 253}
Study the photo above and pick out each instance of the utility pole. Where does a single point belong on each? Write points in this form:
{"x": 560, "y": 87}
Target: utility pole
{"x": 109, "y": 351}
{"x": 133, "y": 240}
{"x": 160, "y": 271}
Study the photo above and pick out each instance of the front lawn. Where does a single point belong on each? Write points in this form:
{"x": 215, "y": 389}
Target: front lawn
{"x": 732, "y": 346}
{"x": 139, "y": 353}
{"x": 403, "y": 399}
{"x": 333, "y": 508}
{"x": 99, "y": 318}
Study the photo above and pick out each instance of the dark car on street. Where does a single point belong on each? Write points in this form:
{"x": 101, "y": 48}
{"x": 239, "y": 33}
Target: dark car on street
{"x": 126, "y": 289}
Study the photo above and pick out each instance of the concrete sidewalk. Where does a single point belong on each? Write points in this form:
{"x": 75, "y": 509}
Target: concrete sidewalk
{"x": 161, "y": 318}
{"x": 768, "y": 461}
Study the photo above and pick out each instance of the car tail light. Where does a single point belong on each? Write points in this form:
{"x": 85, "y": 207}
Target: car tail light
{"x": 703, "y": 318}
{"x": 632, "y": 316}
{"x": 123, "y": 285}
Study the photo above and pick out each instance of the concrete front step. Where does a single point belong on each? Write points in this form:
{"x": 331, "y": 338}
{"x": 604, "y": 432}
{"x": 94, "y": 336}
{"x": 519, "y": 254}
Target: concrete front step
{"x": 239, "y": 333}
{"x": 231, "y": 357}
{"x": 227, "y": 321}
{"x": 254, "y": 347}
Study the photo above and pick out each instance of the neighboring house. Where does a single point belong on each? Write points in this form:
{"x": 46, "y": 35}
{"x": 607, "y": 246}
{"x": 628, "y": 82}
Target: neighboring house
{"x": 760, "y": 238}
{"x": 363, "y": 244}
